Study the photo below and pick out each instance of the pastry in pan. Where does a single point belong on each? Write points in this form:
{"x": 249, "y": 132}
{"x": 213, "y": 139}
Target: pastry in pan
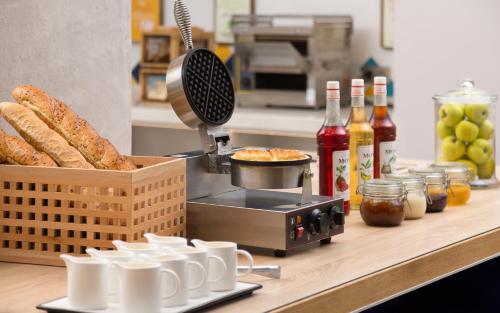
{"x": 269, "y": 155}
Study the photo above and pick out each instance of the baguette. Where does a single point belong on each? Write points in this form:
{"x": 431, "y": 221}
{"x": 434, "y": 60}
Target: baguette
{"x": 41, "y": 137}
{"x": 14, "y": 150}
{"x": 76, "y": 130}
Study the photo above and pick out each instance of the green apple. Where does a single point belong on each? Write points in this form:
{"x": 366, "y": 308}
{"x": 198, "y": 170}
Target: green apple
{"x": 477, "y": 112}
{"x": 451, "y": 113}
{"x": 471, "y": 165}
{"x": 486, "y": 130}
{"x": 486, "y": 169}
{"x": 479, "y": 151}
{"x": 444, "y": 131}
{"x": 466, "y": 131}
{"x": 452, "y": 148}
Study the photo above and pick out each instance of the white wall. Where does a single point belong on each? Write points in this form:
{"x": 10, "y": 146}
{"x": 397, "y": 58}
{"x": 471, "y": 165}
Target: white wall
{"x": 438, "y": 42}
{"x": 75, "y": 50}
{"x": 366, "y": 14}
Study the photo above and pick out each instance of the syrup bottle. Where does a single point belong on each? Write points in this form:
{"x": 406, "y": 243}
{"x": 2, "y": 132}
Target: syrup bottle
{"x": 333, "y": 149}
{"x": 384, "y": 131}
{"x": 360, "y": 142}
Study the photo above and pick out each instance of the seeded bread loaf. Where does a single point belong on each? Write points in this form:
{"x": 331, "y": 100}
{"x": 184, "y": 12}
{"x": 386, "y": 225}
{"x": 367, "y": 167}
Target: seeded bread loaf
{"x": 41, "y": 137}
{"x": 77, "y": 131}
{"x": 14, "y": 150}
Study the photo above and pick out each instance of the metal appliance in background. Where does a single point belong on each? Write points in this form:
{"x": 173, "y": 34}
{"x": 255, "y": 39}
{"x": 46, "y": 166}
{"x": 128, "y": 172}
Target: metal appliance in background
{"x": 287, "y": 60}
{"x": 225, "y": 200}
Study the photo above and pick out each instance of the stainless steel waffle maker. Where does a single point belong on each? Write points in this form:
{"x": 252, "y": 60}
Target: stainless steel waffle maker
{"x": 227, "y": 199}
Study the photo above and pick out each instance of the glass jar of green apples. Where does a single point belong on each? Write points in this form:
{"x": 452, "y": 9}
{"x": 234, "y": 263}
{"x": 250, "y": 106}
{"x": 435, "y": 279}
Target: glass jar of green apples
{"x": 465, "y": 131}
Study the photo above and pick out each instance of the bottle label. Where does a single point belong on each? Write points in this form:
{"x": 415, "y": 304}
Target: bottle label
{"x": 387, "y": 157}
{"x": 365, "y": 163}
{"x": 341, "y": 178}
{"x": 332, "y": 94}
{"x": 380, "y": 89}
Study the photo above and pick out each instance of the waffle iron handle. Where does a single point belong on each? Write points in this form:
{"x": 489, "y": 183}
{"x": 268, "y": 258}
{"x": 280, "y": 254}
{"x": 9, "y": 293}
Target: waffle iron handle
{"x": 183, "y": 20}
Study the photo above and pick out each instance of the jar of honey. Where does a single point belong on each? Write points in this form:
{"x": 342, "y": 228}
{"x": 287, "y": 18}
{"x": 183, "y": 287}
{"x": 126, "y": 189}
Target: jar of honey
{"x": 437, "y": 184}
{"x": 416, "y": 197}
{"x": 460, "y": 176}
{"x": 383, "y": 202}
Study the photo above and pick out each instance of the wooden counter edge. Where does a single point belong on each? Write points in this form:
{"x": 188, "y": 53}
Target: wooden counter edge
{"x": 397, "y": 279}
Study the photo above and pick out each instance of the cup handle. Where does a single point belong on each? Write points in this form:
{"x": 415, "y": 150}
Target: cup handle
{"x": 203, "y": 275}
{"x": 177, "y": 282}
{"x": 221, "y": 261}
{"x": 249, "y": 257}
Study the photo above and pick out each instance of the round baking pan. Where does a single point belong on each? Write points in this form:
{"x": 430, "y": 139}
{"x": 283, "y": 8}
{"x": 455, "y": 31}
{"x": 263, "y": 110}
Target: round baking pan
{"x": 268, "y": 174}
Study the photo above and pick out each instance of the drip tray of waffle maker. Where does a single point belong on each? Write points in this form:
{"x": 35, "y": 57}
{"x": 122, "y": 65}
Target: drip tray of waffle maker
{"x": 265, "y": 219}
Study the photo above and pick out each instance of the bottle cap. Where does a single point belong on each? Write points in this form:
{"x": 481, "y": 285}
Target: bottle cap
{"x": 357, "y": 87}
{"x": 380, "y": 85}
{"x": 332, "y": 90}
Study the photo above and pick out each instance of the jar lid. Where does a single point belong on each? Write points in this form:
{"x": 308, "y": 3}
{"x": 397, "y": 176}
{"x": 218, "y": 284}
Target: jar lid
{"x": 382, "y": 188}
{"x": 466, "y": 93}
{"x": 411, "y": 181}
{"x": 455, "y": 170}
{"x": 432, "y": 175}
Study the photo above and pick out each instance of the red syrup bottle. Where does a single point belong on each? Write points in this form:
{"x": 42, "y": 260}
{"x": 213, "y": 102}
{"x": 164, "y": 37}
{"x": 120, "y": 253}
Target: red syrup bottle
{"x": 333, "y": 149}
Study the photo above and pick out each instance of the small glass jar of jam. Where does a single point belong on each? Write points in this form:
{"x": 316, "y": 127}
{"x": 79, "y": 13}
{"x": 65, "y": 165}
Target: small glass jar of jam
{"x": 460, "y": 176}
{"x": 383, "y": 202}
{"x": 437, "y": 184}
{"x": 416, "y": 197}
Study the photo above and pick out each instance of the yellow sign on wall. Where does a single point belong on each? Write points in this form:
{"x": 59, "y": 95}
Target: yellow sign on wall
{"x": 146, "y": 16}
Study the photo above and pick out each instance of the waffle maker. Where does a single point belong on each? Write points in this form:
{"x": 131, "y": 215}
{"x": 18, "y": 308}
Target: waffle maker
{"x": 229, "y": 199}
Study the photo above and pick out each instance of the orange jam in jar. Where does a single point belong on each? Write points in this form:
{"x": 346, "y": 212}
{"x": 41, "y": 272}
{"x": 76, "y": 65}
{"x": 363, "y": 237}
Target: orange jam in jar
{"x": 458, "y": 194}
{"x": 459, "y": 175}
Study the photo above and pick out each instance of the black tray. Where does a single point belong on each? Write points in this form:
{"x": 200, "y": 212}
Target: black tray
{"x": 195, "y": 305}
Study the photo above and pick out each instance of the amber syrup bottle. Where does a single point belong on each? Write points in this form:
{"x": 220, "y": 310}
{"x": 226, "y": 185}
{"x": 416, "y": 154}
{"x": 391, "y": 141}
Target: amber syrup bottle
{"x": 360, "y": 142}
{"x": 384, "y": 131}
{"x": 333, "y": 149}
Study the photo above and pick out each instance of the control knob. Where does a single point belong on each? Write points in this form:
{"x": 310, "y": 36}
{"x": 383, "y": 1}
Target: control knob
{"x": 337, "y": 216}
{"x": 320, "y": 222}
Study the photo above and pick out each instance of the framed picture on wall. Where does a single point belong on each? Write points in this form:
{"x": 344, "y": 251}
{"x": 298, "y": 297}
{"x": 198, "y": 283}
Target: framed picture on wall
{"x": 224, "y": 11}
{"x": 153, "y": 85}
{"x": 146, "y": 16}
{"x": 387, "y": 24}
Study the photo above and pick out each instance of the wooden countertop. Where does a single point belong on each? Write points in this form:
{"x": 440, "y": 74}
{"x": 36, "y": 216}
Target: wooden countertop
{"x": 365, "y": 265}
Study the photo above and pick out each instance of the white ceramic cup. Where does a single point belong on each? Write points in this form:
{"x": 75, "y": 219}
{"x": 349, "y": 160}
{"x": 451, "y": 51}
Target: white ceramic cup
{"x": 87, "y": 282}
{"x": 180, "y": 264}
{"x": 166, "y": 242}
{"x": 112, "y": 256}
{"x": 141, "y": 288}
{"x": 137, "y": 247}
{"x": 201, "y": 256}
{"x": 228, "y": 252}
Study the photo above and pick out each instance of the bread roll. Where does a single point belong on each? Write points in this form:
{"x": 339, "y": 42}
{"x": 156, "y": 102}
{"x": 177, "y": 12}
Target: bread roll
{"x": 14, "y": 150}
{"x": 77, "y": 131}
{"x": 40, "y": 136}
